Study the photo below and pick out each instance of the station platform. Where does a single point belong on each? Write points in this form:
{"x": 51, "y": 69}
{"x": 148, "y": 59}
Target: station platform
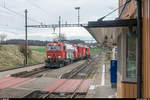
{"x": 101, "y": 86}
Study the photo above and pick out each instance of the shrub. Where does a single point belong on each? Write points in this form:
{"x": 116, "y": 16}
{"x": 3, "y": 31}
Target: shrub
{"x": 22, "y": 49}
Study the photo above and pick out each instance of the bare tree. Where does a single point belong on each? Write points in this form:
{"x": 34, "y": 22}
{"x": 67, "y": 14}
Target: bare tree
{"x": 2, "y": 37}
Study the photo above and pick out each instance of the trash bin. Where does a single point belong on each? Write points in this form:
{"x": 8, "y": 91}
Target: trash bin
{"x": 113, "y": 73}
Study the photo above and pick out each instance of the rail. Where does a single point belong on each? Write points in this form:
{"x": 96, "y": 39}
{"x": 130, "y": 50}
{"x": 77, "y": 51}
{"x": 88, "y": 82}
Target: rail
{"x": 30, "y": 73}
{"x": 21, "y": 66}
{"x": 83, "y": 66}
{"x": 72, "y": 74}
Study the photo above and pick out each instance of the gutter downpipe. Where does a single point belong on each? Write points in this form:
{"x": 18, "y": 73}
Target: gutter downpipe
{"x": 139, "y": 27}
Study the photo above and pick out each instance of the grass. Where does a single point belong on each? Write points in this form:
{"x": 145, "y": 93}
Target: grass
{"x": 10, "y": 56}
{"x": 37, "y": 57}
{"x": 40, "y": 50}
{"x": 96, "y": 50}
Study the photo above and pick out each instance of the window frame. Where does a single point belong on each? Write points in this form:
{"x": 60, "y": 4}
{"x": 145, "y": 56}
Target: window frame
{"x": 123, "y": 46}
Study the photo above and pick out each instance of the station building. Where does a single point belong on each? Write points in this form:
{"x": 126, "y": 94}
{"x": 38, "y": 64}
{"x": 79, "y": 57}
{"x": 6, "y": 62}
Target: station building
{"x": 130, "y": 32}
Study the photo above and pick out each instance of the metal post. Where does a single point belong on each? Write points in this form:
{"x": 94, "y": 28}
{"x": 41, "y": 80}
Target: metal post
{"x": 78, "y": 8}
{"x": 139, "y": 69}
{"x": 78, "y": 16}
{"x": 59, "y": 27}
{"x": 26, "y": 42}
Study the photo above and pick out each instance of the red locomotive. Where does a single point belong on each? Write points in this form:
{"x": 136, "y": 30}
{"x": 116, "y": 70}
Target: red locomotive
{"x": 60, "y": 54}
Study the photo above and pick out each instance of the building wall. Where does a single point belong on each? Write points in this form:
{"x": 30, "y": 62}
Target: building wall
{"x": 127, "y": 90}
{"x": 121, "y": 2}
{"x": 130, "y": 11}
{"x": 146, "y": 49}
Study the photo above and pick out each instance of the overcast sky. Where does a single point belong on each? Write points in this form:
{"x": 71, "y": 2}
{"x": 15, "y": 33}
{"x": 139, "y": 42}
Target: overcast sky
{"x": 48, "y": 12}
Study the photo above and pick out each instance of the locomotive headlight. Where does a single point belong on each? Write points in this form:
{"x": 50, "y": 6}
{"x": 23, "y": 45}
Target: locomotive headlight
{"x": 59, "y": 57}
{"x": 49, "y": 56}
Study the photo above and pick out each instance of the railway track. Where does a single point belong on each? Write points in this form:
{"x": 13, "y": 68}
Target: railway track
{"x": 38, "y": 72}
{"x": 76, "y": 73}
{"x": 48, "y": 95}
{"x": 82, "y": 71}
{"x": 86, "y": 69}
{"x": 29, "y": 73}
{"x": 87, "y": 66}
{"x": 73, "y": 95}
{"x": 23, "y": 66}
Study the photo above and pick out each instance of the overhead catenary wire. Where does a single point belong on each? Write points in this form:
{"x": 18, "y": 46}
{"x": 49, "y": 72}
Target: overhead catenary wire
{"x": 37, "y": 6}
{"x": 8, "y": 31}
{"x": 10, "y": 15}
{"x": 128, "y": 1}
{"x": 19, "y": 14}
{"x": 2, "y": 11}
{"x": 13, "y": 28}
{"x": 10, "y": 11}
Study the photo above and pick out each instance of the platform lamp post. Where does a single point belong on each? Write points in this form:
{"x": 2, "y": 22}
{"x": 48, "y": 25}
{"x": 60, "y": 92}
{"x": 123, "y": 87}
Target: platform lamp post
{"x": 78, "y": 8}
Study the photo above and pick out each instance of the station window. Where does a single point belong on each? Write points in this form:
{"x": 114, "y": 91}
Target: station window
{"x": 131, "y": 55}
{"x": 127, "y": 55}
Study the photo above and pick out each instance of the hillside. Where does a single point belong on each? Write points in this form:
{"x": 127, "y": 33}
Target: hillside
{"x": 10, "y": 57}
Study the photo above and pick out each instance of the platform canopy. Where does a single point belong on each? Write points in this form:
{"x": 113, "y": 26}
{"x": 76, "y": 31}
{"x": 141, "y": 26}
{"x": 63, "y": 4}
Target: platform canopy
{"x": 108, "y": 31}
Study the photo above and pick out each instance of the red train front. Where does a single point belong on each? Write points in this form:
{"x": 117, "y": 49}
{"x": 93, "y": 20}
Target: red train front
{"x": 56, "y": 53}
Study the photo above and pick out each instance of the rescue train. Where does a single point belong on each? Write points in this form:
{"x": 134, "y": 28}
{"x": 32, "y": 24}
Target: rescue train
{"x": 60, "y": 54}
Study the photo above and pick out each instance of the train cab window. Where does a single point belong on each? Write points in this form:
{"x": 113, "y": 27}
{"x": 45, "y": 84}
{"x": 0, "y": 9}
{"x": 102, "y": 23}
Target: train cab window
{"x": 53, "y": 47}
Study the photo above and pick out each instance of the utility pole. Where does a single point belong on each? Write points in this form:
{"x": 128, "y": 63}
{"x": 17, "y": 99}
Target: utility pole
{"x": 26, "y": 40}
{"x": 78, "y": 8}
{"x": 59, "y": 28}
